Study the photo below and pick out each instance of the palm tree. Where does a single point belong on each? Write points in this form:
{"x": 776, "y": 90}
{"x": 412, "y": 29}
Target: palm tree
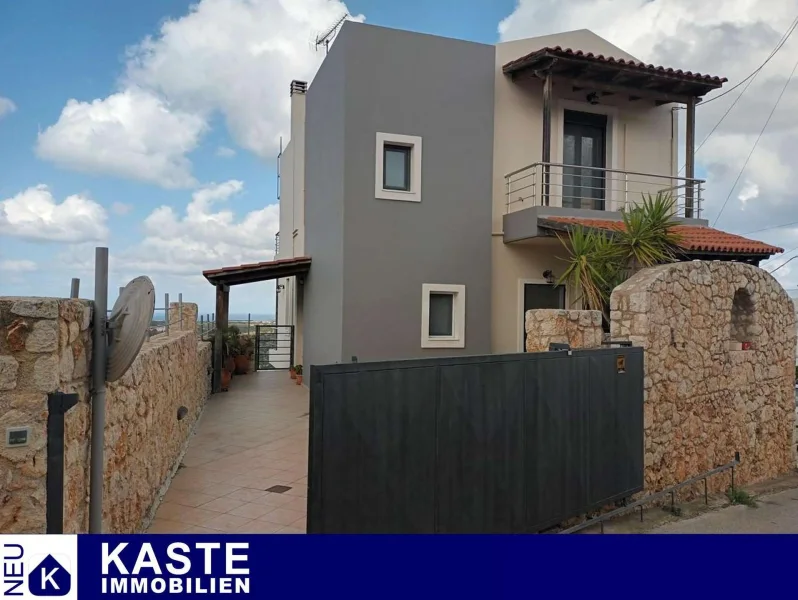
{"x": 600, "y": 260}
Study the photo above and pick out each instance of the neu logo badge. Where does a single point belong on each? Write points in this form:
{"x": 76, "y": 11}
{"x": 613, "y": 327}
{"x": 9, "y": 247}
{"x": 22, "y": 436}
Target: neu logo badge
{"x": 49, "y": 578}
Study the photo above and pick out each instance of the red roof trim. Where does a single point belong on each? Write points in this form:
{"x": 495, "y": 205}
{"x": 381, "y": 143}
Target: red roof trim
{"x": 694, "y": 238}
{"x": 559, "y": 51}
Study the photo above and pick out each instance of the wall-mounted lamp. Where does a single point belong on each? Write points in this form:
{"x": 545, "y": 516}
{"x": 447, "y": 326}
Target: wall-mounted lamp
{"x": 548, "y": 276}
{"x": 593, "y": 98}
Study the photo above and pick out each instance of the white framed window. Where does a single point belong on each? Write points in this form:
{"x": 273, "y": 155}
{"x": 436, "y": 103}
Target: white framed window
{"x": 398, "y": 167}
{"x": 442, "y": 315}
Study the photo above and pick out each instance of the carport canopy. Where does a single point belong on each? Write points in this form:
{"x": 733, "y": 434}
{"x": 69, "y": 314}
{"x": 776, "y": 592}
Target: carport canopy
{"x": 223, "y": 278}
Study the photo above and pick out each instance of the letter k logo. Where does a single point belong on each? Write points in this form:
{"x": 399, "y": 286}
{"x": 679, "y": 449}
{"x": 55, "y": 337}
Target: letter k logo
{"x": 49, "y": 578}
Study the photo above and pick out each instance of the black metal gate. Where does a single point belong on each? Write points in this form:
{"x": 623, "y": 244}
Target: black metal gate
{"x": 274, "y": 347}
{"x": 487, "y": 444}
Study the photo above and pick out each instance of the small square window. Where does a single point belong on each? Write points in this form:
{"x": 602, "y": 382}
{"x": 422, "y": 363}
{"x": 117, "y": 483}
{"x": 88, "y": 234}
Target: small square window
{"x": 443, "y": 316}
{"x": 396, "y": 167}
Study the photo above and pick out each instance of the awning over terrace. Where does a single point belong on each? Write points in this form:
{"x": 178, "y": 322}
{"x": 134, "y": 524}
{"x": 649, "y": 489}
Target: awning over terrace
{"x": 224, "y": 277}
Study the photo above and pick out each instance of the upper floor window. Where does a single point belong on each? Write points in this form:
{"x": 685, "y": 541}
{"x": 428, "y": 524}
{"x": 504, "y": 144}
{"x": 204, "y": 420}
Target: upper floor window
{"x": 398, "y": 167}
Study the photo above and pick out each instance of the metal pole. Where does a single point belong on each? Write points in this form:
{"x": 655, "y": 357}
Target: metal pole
{"x": 202, "y": 326}
{"x": 547, "y": 102}
{"x": 249, "y": 318}
{"x": 689, "y": 171}
{"x": 180, "y": 309}
{"x": 74, "y": 292}
{"x": 100, "y": 350}
{"x": 166, "y": 311}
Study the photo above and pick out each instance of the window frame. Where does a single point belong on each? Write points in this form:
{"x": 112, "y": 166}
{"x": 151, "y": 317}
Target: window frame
{"x": 413, "y": 194}
{"x": 407, "y": 153}
{"x": 457, "y": 339}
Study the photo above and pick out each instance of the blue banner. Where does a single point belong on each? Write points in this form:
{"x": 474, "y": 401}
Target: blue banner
{"x": 377, "y": 567}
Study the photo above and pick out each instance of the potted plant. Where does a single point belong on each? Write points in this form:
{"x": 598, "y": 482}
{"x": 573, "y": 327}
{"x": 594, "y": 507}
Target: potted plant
{"x": 292, "y": 371}
{"x": 230, "y": 347}
{"x": 243, "y": 356}
{"x": 298, "y": 369}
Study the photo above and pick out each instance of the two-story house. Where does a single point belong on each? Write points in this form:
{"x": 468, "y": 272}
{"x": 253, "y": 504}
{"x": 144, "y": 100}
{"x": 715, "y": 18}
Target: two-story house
{"x": 426, "y": 178}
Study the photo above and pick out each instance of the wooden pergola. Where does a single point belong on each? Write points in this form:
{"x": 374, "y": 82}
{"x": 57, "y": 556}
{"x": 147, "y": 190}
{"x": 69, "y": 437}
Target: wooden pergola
{"x": 607, "y": 76}
{"x": 222, "y": 279}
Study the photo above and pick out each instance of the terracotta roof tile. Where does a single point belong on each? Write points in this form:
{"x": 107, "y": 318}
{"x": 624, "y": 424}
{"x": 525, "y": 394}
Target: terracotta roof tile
{"x": 609, "y": 60}
{"x": 694, "y": 238}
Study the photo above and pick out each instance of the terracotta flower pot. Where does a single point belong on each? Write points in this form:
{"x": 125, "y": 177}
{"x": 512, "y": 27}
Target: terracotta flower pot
{"x": 226, "y": 377}
{"x": 242, "y": 364}
{"x": 292, "y": 372}
{"x": 299, "y": 379}
{"x": 230, "y": 364}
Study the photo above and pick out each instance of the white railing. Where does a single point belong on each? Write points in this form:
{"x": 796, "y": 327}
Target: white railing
{"x": 569, "y": 186}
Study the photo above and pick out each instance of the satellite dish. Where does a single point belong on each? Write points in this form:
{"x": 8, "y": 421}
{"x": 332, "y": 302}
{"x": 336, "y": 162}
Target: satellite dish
{"x": 128, "y": 324}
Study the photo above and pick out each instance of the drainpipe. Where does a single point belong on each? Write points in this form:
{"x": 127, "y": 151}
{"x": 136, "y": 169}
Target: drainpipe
{"x": 689, "y": 171}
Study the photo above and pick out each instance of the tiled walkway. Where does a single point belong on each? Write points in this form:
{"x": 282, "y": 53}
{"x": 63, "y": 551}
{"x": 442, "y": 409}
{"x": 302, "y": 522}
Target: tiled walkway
{"x": 249, "y": 440}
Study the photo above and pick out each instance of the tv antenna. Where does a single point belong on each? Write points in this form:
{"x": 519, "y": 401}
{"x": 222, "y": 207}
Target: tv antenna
{"x": 326, "y": 38}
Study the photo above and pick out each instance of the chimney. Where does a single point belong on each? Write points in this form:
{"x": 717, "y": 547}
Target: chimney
{"x": 299, "y": 87}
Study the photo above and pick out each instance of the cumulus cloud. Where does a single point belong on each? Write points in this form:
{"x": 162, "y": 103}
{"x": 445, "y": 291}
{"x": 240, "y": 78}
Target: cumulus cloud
{"x": 17, "y": 266}
{"x": 6, "y": 106}
{"x": 132, "y": 134}
{"x": 35, "y": 215}
{"x": 225, "y": 152}
{"x": 207, "y": 235}
{"x": 234, "y": 58}
{"x": 728, "y": 38}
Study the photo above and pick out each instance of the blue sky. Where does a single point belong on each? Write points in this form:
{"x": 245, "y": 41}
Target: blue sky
{"x": 144, "y": 143}
{"x": 77, "y": 50}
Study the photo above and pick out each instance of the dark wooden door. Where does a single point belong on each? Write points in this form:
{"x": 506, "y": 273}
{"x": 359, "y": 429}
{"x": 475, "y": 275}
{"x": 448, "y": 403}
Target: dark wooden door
{"x": 584, "y": 153}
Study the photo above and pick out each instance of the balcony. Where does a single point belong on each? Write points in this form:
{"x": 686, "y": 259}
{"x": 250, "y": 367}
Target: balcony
{"x": 553, "y": 189}
{"x": 597, "y": 189}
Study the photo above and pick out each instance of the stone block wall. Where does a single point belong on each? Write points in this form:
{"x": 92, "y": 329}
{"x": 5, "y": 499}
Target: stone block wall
{"x": 189, "y": 316}
{"x": 705, "y": 398}
{"x": 579, "y": 328}
{"x": 45, "y": 346}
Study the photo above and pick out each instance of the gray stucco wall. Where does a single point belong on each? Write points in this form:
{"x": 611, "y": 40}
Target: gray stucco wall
{"x": 324, "y": 208}
{"x": 441, "y": 89}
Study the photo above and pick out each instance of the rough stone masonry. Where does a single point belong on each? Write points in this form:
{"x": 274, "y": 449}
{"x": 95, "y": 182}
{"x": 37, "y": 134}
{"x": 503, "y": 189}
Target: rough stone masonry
{"x": 719, "y": 341}
{"x": 45, "y": 346}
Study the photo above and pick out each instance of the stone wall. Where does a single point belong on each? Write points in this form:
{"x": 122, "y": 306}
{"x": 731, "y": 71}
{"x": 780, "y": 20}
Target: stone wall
{"x": 46, "y": 347}
{"x": 189, "y": 311}
{"x": 579, "y": 328}
{"x": 706, "y": 397}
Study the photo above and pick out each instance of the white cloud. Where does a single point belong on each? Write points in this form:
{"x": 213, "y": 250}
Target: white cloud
{"x": 6, "y": 107}
{"x": 225, "y": 152}
{"x": 728, "y": 38}
{"x": 206, "y": 236}
{"x": 121, "y": 209}
{"x": 230, "y": 57}
{"x": 131, "y": 134}
{"x": 17, "y": 266}
{"x": 35, "y": 215}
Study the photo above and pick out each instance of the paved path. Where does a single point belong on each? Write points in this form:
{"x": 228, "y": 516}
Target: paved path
{"x": 250, "y": 439}
{"x": 776, "y": 513}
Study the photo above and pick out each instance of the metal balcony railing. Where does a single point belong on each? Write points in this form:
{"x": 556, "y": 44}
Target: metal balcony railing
{"x": 570, "y": 186}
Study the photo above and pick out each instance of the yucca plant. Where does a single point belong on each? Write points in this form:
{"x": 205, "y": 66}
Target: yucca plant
{"x": 600, "y": 260}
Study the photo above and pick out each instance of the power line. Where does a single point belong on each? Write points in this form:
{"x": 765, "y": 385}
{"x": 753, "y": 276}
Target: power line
{"x": 782, "y": 264}
{"x": 775, "y": 51}
{"x": 750, "y": 80}
{"x": 745, "y": 164}
{"x": 771, "y": 227}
